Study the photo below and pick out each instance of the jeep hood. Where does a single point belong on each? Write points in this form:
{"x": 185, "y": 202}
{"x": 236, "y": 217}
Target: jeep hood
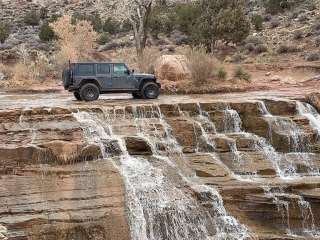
{"x": 144, "y": 75}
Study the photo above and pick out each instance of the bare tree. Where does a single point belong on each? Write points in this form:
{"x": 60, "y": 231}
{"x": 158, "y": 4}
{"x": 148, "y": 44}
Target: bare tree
{"x": 137, "y": 12}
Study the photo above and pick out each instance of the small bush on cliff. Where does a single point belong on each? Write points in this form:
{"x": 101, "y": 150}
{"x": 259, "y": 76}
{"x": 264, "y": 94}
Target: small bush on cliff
{"x": 222, "y": 74}
{"x": 313, "y": 57}
{"x": 287, "y": 48}
{"x": 161, "y": 21}
{"x": 111, "y": 26}
{"x": 224, "y": 20}
{"x": 276, "y": 6}
{"x": 32, "y": 18}
{"x": 103, "y": 38}
{"x": 4, "y": 32}
{"x": 201, "y": 65}
{"x": 242, "y": 74}
{"x": 94, "y": 19}
{"x": 257, "y": 21}
{"x": 298, "y": 34}
{"x": 46, "y": 33}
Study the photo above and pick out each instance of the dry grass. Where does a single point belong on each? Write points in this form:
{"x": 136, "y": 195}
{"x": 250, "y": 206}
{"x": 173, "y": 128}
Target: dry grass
{"x": 27, "y": 72}
{"x": 201, "y": 65}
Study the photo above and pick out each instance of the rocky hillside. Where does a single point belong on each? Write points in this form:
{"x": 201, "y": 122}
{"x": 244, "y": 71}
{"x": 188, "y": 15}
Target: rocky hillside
{"x": 295, "y": 30}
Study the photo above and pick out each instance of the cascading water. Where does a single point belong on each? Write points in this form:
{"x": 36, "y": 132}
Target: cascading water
{"x": 159, "y": 208}
{"x": 310, "y": 113}
{"x": 299, "y": 147}
{"x": 308, "y": 222}
{"x": 232, "y": 121}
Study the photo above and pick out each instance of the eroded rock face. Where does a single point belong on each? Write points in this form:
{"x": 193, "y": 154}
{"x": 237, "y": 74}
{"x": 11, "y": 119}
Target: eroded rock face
{"x": 56, "y": 186}
{"x": 50, "y": 187}
{"x": 314, "y": 100}
{"x": 137, "y": 146}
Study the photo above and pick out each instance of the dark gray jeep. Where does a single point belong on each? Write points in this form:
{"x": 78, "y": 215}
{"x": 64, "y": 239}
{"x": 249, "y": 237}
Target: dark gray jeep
{"x": 88, "y": 80}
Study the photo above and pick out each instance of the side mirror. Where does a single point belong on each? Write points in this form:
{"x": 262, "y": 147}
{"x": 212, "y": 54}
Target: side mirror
{"x": 132, "y": 71}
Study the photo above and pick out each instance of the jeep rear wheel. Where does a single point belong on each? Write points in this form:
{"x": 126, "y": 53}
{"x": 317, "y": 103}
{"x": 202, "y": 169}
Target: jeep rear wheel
{"x": 89, "y": 92}
{"x": 77, "y": 96}
{"x": 150, "y": 91}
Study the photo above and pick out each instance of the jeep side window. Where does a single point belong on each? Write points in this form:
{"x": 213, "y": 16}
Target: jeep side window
{"x": 103, "y": 68}
{"x": 86, "y": 69}
{"x": 120, "y": 69}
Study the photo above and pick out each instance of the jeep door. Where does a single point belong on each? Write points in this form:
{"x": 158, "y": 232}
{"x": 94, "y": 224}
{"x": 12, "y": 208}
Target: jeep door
{"x": 121, "y": 78}
{"x": 104, "y": 75}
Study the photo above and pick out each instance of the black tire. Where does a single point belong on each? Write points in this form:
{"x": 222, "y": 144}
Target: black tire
{"x": 89, "y": 92}
{"x": 150, "y": 91}
{"x": 136, "y": 95}
{"x": 77, "y": 96}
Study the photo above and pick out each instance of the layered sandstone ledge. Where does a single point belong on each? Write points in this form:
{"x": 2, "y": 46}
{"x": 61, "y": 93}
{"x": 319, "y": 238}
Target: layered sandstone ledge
{"x": 53, "y": 185}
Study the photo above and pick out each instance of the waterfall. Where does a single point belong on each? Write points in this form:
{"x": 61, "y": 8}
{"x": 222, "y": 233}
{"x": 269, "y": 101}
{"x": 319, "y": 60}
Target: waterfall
{"x": 310, "y": 113}
{"x": 232, "y": 120}
{"x": 159, "y": 207}
{"x": 299, "y": 146}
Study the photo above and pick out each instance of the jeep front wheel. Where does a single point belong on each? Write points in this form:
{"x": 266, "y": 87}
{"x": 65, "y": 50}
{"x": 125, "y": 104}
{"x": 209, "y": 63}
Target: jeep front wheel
{"x": 77, "y": 96}
{"x": 150, "y": 91}
{"x": 89, "y": 92}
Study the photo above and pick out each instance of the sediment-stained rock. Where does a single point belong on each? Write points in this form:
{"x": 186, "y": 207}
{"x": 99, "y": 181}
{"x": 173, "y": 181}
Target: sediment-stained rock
{"x": 54, "y": 184}
{"x": 50, "y": 188}
{"x": 137, "y": 146}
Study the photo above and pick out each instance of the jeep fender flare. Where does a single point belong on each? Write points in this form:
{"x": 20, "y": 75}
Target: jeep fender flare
{"x": 94, "y": 81}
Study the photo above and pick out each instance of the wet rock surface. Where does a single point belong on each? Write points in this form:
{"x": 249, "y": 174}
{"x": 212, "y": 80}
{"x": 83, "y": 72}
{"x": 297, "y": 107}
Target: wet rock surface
{"x": 80, "y": 172}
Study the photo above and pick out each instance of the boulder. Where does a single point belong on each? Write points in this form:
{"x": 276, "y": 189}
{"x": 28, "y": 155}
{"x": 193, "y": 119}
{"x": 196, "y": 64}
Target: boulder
{"x": 137, "y": 146}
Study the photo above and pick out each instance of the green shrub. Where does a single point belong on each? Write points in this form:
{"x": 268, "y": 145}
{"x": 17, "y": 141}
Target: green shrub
{"x": 261, "y": 48}
{"x": 250, "y": 47}
{"x": 257, "y": 21}
{"x": 126, "y": 26}
{"x": 313, "y": 57}
{"x": 242, "y": 74}
{"x": 222, "y": 74}
{"x": 111, "y": 26}
{"x": 238, "y": 57}
{"x": 104, "y": 38}
{"x": 161, "y": 21}
{"x": 254, "y": 40}
{"x": 46, "y": 33}
{"x": 298, "y": 34}
{"x": 95, "y": 20}
{"x": 54, "y": 18}
{"x": 287, "y": 48}
{"x": 32, "y": 18}
{"x": 276, "y": 6}
{"x": 43, "y": 13}
{"x": 186, "y": 15}
{"x": 317, "y": 42}
{"x": 4, "y": 32}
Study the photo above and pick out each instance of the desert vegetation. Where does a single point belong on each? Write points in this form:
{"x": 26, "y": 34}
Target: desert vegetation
{"x": 218, "y": 38}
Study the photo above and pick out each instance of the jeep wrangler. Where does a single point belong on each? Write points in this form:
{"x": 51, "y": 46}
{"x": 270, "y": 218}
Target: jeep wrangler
{"x": 88, "y": 80}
